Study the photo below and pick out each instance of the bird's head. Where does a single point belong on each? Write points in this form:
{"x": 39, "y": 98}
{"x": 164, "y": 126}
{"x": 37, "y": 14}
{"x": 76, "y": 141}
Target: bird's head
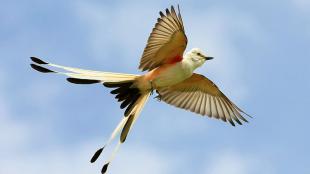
{"x": 196, "y": 57}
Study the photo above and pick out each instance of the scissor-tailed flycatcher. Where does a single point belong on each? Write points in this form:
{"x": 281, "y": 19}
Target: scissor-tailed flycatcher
{"x": 170, "y": 73}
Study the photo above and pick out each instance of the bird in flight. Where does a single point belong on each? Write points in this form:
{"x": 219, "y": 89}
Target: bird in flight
{"x": 169, "y": 72}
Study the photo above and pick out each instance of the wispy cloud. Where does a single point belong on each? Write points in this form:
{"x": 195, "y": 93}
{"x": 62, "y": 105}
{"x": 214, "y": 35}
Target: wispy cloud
{"x": 116, "y": 33}
{"x": 41, "y": 93}
{"x": 75, "y": 159}
{"x": 232, "y": 162}
{"x": 216, "y": 31}
{"x": 303, "y": 5}
{"x": 62, "y": 160}
{"x": 144, "y": 159}
{"x": 13, "y": 132}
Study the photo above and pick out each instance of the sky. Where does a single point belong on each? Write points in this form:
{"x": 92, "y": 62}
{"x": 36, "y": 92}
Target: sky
{"x": 262, "y": 63}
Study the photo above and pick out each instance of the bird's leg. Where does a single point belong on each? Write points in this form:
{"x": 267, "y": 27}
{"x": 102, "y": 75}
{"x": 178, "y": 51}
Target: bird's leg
{"x": 152, "y": 88}
{"x": 158, "y": 97}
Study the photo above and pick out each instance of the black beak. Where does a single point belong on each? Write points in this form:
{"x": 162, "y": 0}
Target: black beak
{"x": 208, "y": 58}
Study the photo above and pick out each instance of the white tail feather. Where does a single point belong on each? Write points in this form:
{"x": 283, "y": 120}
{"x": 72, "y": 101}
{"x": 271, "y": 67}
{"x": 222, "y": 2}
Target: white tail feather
{"x": 134, "y": 113}
{"x": 86, "y": 74}
{"x": 89, "y": 77}
{"x": 95, "y": 75}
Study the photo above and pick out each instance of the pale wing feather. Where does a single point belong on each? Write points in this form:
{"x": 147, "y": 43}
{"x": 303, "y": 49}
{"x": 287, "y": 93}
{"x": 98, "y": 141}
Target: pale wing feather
{"x": 166, "y": 42}
{"x": 208, "y": 107}
{"x": 213, "y": 108}
{"x": 198, "y": 104}
{"x": 219, "y": 109}
{"x": 200, "y": 95}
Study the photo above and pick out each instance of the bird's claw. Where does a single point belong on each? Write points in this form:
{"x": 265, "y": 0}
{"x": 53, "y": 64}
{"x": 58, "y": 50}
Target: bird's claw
{"x": 158, "y": 97}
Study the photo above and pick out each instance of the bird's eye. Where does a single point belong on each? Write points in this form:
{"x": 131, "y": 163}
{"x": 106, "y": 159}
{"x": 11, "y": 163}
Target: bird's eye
{"x": 199, "y": 54}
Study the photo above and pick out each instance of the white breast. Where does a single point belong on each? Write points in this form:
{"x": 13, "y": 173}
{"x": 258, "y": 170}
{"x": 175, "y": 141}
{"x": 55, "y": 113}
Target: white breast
{"x": 173, "y": 75}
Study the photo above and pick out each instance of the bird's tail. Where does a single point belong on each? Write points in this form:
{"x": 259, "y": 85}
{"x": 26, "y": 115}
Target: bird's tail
{"x": 123, "y": 128}
{"x": 132, "y": 98}
{"x": 80, "y": 76}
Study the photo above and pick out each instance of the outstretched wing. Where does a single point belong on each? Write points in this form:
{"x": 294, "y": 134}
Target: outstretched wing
{"x": 166, "y": 43}
{"x": 199, "y": 94}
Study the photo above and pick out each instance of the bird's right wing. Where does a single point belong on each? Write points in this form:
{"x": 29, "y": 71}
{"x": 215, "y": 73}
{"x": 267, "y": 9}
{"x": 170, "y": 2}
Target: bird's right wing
{"x": 199, "y": 94}
{"x": 166, "y": 43}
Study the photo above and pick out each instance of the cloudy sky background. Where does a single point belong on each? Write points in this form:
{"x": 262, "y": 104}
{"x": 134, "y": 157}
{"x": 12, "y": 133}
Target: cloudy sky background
{"x": 261, "y": 51}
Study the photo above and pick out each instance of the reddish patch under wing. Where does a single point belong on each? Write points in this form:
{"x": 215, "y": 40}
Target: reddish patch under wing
{"x": 156, "y": 72}
{"x": 175, "y": 59}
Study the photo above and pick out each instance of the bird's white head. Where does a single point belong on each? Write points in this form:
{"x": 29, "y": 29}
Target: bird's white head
{"x": 196, "y": 57}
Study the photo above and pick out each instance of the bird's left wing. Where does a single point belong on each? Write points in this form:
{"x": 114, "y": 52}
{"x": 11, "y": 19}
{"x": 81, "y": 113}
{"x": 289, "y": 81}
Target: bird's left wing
{"x": 199, "y": 94}
{"x": 166, "y": 43}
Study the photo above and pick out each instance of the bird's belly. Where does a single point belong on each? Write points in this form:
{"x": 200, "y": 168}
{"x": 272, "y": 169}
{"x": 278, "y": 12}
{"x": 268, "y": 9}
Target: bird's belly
{"x": 171, "y": 76}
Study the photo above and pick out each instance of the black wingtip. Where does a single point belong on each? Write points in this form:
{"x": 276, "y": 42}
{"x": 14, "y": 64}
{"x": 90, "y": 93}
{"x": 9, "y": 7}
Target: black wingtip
{"x": 82, "y": 81}
{"x": 231, "y": 122}
{"x": 41, "y": 69}
{"x": 162, "y": 15}
{"x": 105, "y": 168}
{"x": 96, "y": 155}
{"x": 167, "y": 11}
{"x": 37, "y": 60}
{"x": 238, "y": 121}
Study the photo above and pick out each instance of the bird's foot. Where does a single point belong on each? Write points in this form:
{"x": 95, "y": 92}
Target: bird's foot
{"x": 158, "y": 97}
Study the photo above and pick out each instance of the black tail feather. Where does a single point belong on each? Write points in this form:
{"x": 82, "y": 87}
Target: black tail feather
{"x": 41, "y": 69}
{"x": 37, "y": 60}
{"x": 82, "y": 81}
{"x": 126, "y": 93}
{"x": 96, "y": 155}
{"x": 105, "y": 168}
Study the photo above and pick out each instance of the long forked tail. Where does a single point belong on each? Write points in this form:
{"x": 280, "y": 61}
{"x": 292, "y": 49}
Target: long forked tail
{"x": 81, "y": 76}
{"x": 123, "y": 127}
{"x": 131, "y": 97}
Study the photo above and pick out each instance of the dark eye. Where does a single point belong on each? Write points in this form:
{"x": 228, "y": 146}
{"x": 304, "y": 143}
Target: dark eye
{"x": 199, "y": 54}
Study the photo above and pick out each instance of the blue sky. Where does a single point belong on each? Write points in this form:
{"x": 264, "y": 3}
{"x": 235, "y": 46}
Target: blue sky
{"x": 261, "y": 51}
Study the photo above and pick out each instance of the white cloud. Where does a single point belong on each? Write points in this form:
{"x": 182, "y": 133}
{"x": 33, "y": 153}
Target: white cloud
{"x": 303, "y": 5}
{"x": 42, "y": 92}
{"x": 144, "y": 159}
{"x": 216, "y": 32}
{"x": 17, "y": 131}
{"x": 51, "y": 160}
{"x": 12, "y": 132}
{"x": 232, "y": 162}
{"x": 116, "y": 33}
{"x": 75, "y": 159}
{"x": 18, "y": 139}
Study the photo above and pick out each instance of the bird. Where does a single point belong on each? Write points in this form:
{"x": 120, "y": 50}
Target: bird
{"x": 169, "y": 71}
